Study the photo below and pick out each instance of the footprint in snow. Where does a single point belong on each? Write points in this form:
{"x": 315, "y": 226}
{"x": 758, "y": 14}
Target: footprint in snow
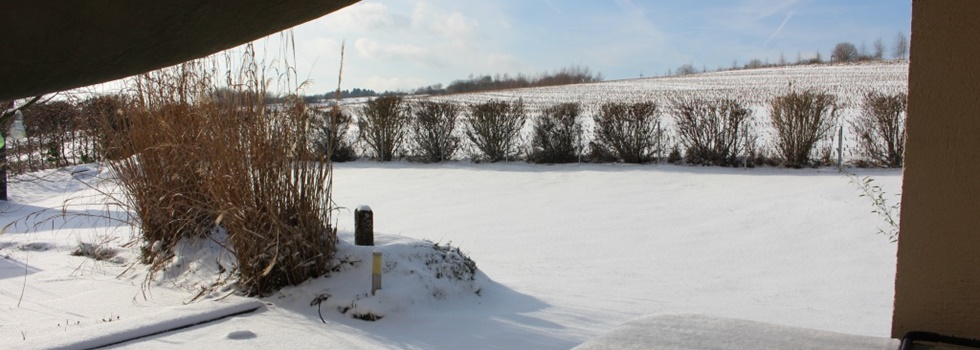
{"x": 239, "y": 335}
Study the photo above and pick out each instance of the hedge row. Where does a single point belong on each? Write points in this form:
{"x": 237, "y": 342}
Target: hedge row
{"x": 694, "y": 130}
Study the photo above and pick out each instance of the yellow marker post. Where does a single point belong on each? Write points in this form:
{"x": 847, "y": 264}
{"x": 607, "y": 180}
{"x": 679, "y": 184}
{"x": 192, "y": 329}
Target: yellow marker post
{"x": 376, "y": 273}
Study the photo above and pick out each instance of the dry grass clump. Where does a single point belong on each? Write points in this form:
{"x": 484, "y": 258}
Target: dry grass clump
{"x": 626, "y": 131}
{"x": 272, "y": 194}
{"x": 801, "y": 119}
{"x": 880, "y": 129}
{"x": 206, "y": 158}
{"x": 713, "y": 132}
{"x": 164, "y": 178}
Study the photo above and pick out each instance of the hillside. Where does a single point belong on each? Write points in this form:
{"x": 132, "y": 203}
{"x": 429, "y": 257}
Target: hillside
{"x": 752, "y": 86}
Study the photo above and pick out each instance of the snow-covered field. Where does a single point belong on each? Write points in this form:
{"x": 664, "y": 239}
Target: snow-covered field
{"x": 565, "y": 254}
{"x": 751, "y": 86}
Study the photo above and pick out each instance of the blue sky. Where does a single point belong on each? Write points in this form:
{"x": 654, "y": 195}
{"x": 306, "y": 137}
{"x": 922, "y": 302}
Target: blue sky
{"x": 404, "y": 44}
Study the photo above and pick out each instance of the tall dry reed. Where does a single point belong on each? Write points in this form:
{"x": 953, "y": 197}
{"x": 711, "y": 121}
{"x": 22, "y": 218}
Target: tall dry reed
{"x": 210, "y": 156}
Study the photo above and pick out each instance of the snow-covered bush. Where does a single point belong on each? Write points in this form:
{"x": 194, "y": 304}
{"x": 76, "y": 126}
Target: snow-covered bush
{"x": 626, "y": 131}
{"x": 494, "y": 127}
{"x": 433, "y": 126}
{"x": 800, "y": 120}
{"x": 557, "y": 134}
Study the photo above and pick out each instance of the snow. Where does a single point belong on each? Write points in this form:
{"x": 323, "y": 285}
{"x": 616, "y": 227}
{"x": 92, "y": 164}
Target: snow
{"x": 147, "y": 325}
{"x": 699, "y": 332}
{"x": 566, "y": 255}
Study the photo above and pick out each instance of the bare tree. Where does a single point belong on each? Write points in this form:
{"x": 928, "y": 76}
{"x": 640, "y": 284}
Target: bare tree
{"x": 879, "y": 47}
{"x": 686, "y": 69}
{"x": 754, "y": 63}
{"x": 901, "y": 49}
{"x": 844, "y": 52}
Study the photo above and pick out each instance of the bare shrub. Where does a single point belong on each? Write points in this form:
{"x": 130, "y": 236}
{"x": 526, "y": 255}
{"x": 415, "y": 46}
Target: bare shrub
{"x": 557, "y": 134}
{"x": 880, "y": 129}
{"x": 331, "y": 136}
{"x": 674, "y": 157}
{"x": 627, "y": 131}
{"x": 434, "y": 130}
{"x": 107, "y": 114}
{"x": 801, "y": 119}
{"x": 713, "y": 132}
{"x": 382, "y": 124}
{"x": 49, "y": 126}
{"x": 494, "y": 127}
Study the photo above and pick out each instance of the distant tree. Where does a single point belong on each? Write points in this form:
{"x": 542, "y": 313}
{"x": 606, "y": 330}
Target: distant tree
{"x": 879, "y": 47}
{"x": 568, "y": 75}
{"x": 863, "y": 54}
{"x": 844, "y": 52}
{"x": 782, "y": 59}
{"x": 686, "y": 69}
{"x": 755, "y": 63}
{"x": 901, "y": 49}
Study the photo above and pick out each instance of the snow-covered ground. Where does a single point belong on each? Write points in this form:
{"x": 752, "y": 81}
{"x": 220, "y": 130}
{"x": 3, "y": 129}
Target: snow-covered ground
{"x": 564, "y": 254}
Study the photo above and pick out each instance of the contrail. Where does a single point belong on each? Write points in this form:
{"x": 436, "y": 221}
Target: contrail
{"x": 780, "y": 29}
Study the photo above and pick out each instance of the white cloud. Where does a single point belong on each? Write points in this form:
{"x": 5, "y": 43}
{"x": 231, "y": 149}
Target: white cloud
{"x": 360, "y": 17}
{"x": 453, "y": 25}
{"x": 502, "y": 62}
{"x": 393, "y": 83}
{"x": 374, "y": 50}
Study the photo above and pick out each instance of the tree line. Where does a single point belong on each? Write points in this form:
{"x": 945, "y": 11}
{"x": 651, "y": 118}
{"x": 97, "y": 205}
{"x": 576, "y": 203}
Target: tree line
{"x": 843, "y": 52}
{"x": 573, "y": 74}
